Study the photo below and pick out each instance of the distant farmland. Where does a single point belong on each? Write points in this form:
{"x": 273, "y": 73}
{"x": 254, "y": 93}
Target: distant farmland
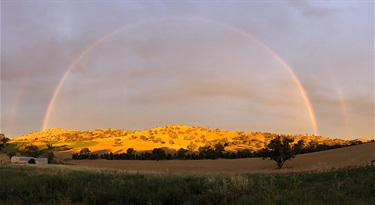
{"x": 324, "y": 160}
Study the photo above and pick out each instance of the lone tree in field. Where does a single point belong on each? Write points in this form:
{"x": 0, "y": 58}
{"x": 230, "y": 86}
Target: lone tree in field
{"x": 281, "y": 149}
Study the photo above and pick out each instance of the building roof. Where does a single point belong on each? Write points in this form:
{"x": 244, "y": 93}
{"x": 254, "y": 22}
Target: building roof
{"x": 23, "y": 158}
{"x": 41, "y": 159}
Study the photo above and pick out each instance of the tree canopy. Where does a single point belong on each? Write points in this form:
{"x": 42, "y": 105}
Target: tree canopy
{"x": 29, "y": 150}
{"x": 3, "y": 140}
{"x": 281, "y": 149}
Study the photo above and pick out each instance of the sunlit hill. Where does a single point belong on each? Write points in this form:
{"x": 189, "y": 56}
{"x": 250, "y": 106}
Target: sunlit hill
{"x": 170, "y": 138}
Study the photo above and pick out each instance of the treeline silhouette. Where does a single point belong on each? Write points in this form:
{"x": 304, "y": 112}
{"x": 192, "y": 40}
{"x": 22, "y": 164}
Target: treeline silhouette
{"x": 160, "y": 154}
{"x": 206, "y": 152}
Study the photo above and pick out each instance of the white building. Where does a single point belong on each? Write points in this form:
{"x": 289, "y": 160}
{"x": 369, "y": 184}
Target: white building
{"x": 41, "y": 160}
{"x": 25, "y": 160}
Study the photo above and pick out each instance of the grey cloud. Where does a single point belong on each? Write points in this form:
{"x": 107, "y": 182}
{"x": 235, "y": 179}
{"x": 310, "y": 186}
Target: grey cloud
{"x": 309, "y": 8}
{"x": 185, "y": 70}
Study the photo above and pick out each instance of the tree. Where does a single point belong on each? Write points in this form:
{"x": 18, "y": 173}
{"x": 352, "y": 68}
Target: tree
{"x": 118, "y": 142}
{"x": 93, "y": 156}
{"x": 158, "y": 154}
{"x": 29, "y": 150}
{"x": 247, "y": 153}
{"x": 130, "y": 153}
{"x": 75, "y": 156}
{"x": 181, "y": 153}
{"x": 3, "y": 140}
{"x": 192, "y": 146}
{"x": 280, "y": 150}
{"x": 49, "y": 146}
{"x": 219, "y": 149}
{"x": 207, "y": 152}
{"x": 50, "y": 157}
{"x": 85, "y": 151}
{"x": 173, "y": 135}
{"x": 83, "y": 154}
{"x": 11, "y": 154}
{"x": 169, "y": 157}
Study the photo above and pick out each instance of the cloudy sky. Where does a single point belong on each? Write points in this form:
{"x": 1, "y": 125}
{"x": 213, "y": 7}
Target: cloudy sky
{"x": 241, "y": 65}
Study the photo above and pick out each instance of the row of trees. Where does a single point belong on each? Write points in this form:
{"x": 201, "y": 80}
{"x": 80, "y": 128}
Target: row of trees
{"x": 85, "y": 153}
{"x": 280, "y": 149}
{"x": 160, "y": 154}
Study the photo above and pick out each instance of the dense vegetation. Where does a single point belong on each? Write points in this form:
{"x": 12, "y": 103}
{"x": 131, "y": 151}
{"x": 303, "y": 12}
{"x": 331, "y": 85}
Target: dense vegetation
{"x": 21, "y": 184}
{"x": 160, "y": 154}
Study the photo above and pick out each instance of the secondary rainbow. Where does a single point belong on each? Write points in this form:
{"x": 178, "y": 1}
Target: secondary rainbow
{"x": 230, "y": 27}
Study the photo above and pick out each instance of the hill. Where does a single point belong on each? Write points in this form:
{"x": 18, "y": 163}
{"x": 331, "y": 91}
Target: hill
{"x": 170, "y": 138}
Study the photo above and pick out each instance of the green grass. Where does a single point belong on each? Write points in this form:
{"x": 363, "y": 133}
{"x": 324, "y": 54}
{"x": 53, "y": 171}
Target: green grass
{"x": 21, "y": 184}
{"x": 9, "y": 148}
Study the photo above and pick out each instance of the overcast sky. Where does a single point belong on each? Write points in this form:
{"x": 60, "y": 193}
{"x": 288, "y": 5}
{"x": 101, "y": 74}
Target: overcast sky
{"x": 203, "y": 63}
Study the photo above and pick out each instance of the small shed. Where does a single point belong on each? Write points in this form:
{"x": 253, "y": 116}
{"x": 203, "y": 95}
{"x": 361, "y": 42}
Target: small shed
{"x": 25, "y": 160}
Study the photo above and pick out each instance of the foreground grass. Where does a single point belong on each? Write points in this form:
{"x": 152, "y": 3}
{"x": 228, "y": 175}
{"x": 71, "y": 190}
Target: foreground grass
{"x": 21, "y": 184}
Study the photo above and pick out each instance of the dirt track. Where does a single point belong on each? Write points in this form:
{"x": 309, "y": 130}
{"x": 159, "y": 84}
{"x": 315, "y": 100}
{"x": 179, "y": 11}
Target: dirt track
{"x": 348, "y": 156}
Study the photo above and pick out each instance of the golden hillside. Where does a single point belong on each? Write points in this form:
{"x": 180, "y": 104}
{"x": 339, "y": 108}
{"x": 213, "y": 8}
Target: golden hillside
{"x": 170, "y": 137}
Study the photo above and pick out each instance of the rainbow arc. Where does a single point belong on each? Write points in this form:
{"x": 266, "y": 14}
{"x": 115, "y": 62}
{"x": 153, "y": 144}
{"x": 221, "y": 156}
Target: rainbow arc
{"x": 214, "y": 22}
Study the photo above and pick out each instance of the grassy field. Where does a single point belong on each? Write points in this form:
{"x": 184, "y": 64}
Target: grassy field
{"x": 9, "y": 148}
{"x": 26, "y": 184}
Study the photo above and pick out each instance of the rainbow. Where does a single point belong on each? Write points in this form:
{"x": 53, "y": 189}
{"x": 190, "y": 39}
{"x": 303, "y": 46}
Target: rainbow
{"x": 343, "y": 110}
{"x": 230, "y": 27}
